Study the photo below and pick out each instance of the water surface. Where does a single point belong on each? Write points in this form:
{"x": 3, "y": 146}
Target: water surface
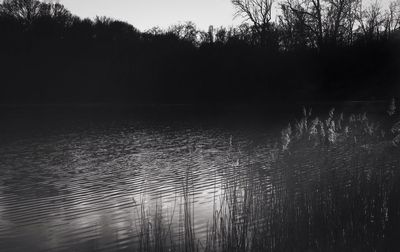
{"x": 75, "y": 179}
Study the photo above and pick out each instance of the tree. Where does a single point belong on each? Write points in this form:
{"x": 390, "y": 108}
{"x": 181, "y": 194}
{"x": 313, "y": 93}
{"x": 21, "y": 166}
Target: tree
{"x": 392, "y": 18}
{"x": 307, "y": 15}
{"x": 58, "y": 13}
{"x": 295, "y": 34}
{"x": 24, "y": 10}
{"x": 187, "y": 32}
{"x": 258, "y": 12}
{"x": 340, "y": 19}
{"x": 327, "y": 21}
{"x": 155, "y": 31}
{"x": 221, "y": 35}
{"x": 53, "y": 18}
{"x": 207, "y": 37}
{"x": 370, "y": 21}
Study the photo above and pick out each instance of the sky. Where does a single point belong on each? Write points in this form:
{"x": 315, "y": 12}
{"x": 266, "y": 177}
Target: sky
{"x": 145, "y": 14}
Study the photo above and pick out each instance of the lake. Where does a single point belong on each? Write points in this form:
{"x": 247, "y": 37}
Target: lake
{"x": 75, "y": 179}
{"x": 93, "y": 178}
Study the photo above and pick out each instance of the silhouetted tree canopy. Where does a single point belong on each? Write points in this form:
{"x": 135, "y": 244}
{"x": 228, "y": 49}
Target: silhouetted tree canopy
{"x": 259, "y": 13}
{"x": 316, "y": 49}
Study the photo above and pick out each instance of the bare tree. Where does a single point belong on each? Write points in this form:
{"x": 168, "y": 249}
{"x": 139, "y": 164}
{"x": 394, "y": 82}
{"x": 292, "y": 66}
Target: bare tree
{"x": 392, "y": 18}
{"x": 340, "y": 19}
{"x": 25, "y": 10}
{"x": 56, "y": 12}
{"x": 29, "y": 10}
{"x": 59, "y": 12}
{"x": 370, "y": 21}
{"x": 187, "y": 31}
{"x": 300, "y": 24}
{"x": 258, "y": 12}
{"x": 155, "y": 31}
{"x": 307, "y": 14}
{"x": 328, "y": 21}
{"x": 221, "y": 35}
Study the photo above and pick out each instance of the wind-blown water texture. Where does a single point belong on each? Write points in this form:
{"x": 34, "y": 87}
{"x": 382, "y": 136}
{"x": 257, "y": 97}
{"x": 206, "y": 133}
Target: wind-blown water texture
{"x": 77, "y": 187}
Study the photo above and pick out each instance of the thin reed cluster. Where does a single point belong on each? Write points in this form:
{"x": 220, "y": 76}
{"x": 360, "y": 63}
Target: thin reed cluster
{"x": 358, "y": 128}
{"x": 333, "y": 185}
{"x": 396, "y": 127}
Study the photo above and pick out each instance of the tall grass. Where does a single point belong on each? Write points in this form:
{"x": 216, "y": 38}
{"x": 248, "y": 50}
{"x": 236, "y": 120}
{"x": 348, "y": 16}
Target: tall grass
{"x": 333, "y": 185}
{"x": 155, "y": 229}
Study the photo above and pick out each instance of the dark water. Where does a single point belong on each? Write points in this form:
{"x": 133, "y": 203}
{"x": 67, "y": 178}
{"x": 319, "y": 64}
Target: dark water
{"x": 75, "y": 179}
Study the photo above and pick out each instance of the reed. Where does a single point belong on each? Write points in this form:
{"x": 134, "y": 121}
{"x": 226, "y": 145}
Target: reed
{"x": 333, "y": 185}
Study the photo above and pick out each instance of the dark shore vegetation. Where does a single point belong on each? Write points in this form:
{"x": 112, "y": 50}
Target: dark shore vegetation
{"x": 332, "y": 184}
{"x": 49, "y": 55}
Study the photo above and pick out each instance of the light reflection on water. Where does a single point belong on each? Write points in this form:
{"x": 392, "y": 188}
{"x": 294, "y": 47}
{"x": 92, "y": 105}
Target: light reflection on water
{"x": 80, "y": 188}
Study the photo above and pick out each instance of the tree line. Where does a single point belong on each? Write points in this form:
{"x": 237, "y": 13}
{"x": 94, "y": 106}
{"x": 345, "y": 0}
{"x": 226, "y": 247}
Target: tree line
{"x": 308, "y": 49}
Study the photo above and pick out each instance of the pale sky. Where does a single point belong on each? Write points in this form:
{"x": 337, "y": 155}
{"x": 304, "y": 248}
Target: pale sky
{"x": 145, "y": 14}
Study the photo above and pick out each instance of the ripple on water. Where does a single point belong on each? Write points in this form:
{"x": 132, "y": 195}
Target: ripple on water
{"x": 83, "y": 189}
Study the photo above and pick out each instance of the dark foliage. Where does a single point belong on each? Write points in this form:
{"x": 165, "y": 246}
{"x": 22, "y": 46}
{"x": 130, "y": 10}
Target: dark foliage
{"x": 49, "y": 55}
